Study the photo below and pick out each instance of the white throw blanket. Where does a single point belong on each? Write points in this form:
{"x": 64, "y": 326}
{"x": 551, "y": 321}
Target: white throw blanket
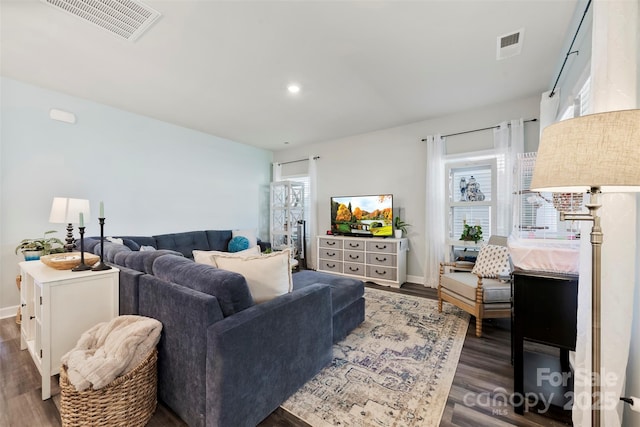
{"x": 111, "y": 349}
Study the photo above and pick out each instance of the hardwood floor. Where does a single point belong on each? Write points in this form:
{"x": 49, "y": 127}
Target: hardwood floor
{"x": 483, "y": 376}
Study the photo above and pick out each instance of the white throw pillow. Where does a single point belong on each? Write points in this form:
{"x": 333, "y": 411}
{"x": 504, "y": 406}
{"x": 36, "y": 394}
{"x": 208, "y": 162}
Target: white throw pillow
{"x": 206, "y": 257}
{"x": 249, "y": 234}
{"x": 268, "y": 275}
{"x": 115, "y": 240}
{"x": 492, "y": 261}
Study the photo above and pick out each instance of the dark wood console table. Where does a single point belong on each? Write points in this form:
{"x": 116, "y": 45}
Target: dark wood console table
{"x": 545, "y": 307}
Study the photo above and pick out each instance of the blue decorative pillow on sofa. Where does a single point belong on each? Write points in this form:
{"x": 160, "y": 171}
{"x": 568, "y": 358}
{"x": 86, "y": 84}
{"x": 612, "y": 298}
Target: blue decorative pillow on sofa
{"x": 238, "y": 243}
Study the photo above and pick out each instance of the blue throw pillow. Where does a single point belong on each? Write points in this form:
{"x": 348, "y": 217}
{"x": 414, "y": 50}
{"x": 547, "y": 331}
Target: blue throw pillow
{"x": 238, "y": 243}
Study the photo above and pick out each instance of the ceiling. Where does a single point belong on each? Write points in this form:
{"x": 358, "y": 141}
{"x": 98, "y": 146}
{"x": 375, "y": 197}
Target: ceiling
{"x": 222, "y": 67}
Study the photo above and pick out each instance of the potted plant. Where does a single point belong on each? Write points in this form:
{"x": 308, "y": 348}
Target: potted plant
{"x": 33, "y": 249}
{"x": 400, "y": 226}
{"x": 471, "y": 232}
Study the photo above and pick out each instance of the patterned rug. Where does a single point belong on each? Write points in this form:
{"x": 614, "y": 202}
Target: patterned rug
{"x": 395, "y": 369}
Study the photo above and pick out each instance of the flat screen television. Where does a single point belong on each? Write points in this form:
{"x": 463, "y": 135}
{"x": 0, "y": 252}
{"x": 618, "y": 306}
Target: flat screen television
{"x": 370, "y": 216}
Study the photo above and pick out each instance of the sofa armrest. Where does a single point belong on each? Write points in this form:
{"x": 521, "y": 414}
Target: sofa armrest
{"x": 260, "y": 356}
{"x": 185, "y": 315}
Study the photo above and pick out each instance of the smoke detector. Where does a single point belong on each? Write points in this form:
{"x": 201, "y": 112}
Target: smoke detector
{"x": 127, "y": 19}
{"x": 509, "y": 44}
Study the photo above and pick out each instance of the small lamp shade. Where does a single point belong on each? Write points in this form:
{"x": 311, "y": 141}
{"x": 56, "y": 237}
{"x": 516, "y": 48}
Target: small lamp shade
{"x": 58, "y": 213}
{"x": 67, "y": 211}
{"x": 598, "y": 150}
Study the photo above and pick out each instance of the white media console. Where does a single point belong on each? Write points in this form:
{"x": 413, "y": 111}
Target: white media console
{"x": 379, "y": 260}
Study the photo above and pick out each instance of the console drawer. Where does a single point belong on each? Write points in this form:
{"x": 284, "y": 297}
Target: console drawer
{"x": 354, "y": 245}
{"x": 354, "y": 256}
{"x": 353, "y": 268}
{"x": 326, "y": 242}
{"x": 379, "y": 272}
{"x": 384, "y": 259}
{"x": 383, "y": 247}
{"x": 327, "y": 265}
{"x": 331, "y": 254}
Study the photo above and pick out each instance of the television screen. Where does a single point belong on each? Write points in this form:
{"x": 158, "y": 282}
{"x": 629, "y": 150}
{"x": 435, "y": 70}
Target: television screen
{"x": 362, "y": 215}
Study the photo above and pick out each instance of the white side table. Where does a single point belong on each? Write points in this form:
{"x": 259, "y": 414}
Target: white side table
{"x": 57, "y": 307}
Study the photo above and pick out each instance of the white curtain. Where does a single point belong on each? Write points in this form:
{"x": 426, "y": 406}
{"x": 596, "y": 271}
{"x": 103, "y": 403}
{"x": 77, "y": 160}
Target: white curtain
{"x": 276, "y": 172}
{"x": 613, "y": 87}
{"x": 313, "y": 212}
{"x": 435, "y": 201}
{"x": 508, "y": 140}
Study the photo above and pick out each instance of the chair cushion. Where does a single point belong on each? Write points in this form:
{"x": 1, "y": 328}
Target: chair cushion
{"x": 465, "y": 284}
{"x": 492, "y": 261}
{"x": 218, "y": 239}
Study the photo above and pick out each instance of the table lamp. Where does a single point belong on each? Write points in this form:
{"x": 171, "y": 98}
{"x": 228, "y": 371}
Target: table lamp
{"x": 593, "y": 154}
{"x": 67, "y": 211}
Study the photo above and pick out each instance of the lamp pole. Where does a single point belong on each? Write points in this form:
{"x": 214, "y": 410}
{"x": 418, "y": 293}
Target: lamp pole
{"x": 596, "y": 267}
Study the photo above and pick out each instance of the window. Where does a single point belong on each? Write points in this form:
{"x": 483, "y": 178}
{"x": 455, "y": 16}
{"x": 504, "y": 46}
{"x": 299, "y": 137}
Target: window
{"x": 537, "y": 214}
{"x": 471, "y": 199}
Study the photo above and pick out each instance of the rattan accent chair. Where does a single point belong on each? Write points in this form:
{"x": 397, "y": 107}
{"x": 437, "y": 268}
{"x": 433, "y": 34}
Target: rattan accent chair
{"x": 482, "y": 297}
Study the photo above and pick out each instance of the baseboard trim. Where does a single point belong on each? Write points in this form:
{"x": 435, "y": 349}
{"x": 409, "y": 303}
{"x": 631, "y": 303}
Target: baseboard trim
{"x": 415, "y": 279}
{"x": 8, "y": 312}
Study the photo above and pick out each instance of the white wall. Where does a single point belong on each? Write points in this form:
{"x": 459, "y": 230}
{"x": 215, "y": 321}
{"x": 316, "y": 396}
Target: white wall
{"x": 393, "y": 161}
{"x": 153, "y": 177}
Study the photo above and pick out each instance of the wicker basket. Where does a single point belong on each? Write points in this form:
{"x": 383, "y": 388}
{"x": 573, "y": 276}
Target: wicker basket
{"x": 129, "y": 400}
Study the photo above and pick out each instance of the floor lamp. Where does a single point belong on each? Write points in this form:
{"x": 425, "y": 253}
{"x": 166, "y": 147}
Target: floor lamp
{"x": 594, "y": 154}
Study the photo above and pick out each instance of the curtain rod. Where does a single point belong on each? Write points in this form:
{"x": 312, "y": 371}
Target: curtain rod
{"x": 478, "y": 130}
{"x": 299, "y": 160}
{"x": 569, "y": 52}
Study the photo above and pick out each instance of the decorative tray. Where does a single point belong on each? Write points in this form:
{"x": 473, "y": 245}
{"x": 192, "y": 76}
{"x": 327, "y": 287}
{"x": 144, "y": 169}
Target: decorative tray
{"x": 68, "y": 260}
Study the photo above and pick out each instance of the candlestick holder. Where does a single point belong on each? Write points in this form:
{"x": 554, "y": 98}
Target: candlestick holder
{"x": 82, "y": 266}
{"x": 101, "y": 265}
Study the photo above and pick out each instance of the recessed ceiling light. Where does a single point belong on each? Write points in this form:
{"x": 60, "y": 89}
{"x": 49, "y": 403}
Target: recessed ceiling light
{"x": 293, "y": 88}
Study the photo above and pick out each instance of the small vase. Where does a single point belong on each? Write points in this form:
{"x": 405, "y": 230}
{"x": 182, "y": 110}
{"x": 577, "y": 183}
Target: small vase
{"x": 398, "y": 234}
{"x": 32, "y": 255}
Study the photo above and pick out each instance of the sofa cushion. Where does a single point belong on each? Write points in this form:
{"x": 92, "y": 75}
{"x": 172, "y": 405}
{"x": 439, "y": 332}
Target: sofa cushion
{"x": 184, "y": 243}
{"x": 344, "y": 290}
{"x": 250, "y": 235}
{"x": 110, "y": 250}
{"x": 139, "y": 240}
{"x": 268, "y": 276}
{"x": 207, "y": 257}
{"x": 141, "y": 260}
{"x": 218, "y": 239}
{"x": 228, "y": 287}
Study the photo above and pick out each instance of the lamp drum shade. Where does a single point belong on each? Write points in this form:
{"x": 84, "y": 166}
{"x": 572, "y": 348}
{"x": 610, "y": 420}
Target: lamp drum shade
{"x": 598, "y": 150}
{"x": 67, "y": 210}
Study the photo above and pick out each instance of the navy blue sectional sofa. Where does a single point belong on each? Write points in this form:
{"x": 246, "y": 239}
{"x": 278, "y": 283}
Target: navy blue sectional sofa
{"x": 222, "y": 359}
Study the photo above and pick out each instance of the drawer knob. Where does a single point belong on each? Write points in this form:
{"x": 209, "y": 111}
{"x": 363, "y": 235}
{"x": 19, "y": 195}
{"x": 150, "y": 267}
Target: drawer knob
{"x": 354, "y": 256}
{"x": 354, "y": 245}
{"x": 381, "y": 247}
{"x": 331, "y": 265}
{"x": 331, "y": 243}
{"x": 32, "y": 317}
{"x": 331, "y": 254}
{"x": 354, "y": 269}
{"x": 382, "y": 273}
{"x": 381, "y": 260}
{"x": 23, "y": 305}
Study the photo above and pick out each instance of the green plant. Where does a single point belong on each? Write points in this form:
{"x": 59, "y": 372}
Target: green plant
{"x": 400, "y": 224}
{"x": 471, "y": 232}
{"x": 45, "y": 244}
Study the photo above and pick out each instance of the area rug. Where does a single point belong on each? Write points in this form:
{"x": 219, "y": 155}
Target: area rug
{"x": 395, "y": 369}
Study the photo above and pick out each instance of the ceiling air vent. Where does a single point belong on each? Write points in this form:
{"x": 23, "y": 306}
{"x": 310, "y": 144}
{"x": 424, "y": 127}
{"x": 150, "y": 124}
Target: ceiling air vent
{"x": 510, "y": 44}
{"x": 125, "y": 18}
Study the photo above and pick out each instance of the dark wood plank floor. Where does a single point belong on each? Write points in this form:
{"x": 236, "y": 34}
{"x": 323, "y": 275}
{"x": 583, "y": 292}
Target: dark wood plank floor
{"x": 484, "y": 371}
